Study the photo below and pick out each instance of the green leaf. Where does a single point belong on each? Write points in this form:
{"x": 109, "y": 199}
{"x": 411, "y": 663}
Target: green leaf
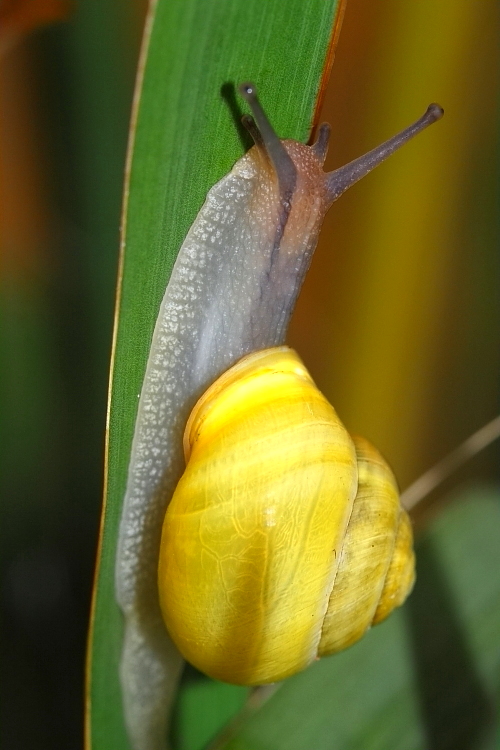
{"x": 426, "y": 679}
{"x": 186, "y": 138}
{"x": 203, "y": 707}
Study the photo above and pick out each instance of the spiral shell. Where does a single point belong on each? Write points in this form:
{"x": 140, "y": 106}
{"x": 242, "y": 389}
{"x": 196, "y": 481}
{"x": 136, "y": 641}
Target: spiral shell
{"x": 284, "y": 539}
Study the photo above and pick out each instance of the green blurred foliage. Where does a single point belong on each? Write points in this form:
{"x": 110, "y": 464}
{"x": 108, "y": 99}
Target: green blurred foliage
{"x": 67, "y": 92}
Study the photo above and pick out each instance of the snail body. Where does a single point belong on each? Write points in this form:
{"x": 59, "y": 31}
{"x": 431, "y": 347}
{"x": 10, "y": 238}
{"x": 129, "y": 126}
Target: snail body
{"x": 279, "y": 536}
{"x": 232, "y": 291}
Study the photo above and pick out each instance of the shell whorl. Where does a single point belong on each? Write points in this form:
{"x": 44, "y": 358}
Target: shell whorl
{"x": 377, "y": 567}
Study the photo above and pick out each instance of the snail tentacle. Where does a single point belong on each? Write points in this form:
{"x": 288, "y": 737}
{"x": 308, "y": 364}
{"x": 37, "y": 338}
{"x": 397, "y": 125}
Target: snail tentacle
{"x": 320, "y": 146}
{"x": 285, "y": 169}
{"x": 343, "y": 178}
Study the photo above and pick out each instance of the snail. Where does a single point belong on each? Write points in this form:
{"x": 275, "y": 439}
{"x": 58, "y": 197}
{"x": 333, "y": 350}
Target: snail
{"x": 220, "y": 332}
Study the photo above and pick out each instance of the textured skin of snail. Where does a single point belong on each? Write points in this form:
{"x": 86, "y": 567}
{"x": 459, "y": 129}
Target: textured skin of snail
{"x": 284, "y": 540}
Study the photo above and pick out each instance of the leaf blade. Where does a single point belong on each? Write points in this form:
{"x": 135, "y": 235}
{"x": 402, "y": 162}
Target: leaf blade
{"x": 195, "y": 47}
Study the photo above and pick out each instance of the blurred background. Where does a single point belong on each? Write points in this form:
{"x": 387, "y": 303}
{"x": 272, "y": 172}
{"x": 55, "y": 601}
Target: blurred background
{"x": 398, "y": 321}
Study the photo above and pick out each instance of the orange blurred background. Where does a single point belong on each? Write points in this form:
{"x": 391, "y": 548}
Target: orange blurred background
{"x": 399, "y": 317}
{"x": 398, "y": 320}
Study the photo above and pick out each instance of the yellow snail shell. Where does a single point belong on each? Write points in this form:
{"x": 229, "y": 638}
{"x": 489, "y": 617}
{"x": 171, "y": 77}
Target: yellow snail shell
{"x": 278, "y": 544}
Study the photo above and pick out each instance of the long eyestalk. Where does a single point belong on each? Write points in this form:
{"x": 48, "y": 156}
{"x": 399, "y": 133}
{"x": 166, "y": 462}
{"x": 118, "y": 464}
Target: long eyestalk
{"x": 339, "y": 180}
{"x": 282, "y": 163}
